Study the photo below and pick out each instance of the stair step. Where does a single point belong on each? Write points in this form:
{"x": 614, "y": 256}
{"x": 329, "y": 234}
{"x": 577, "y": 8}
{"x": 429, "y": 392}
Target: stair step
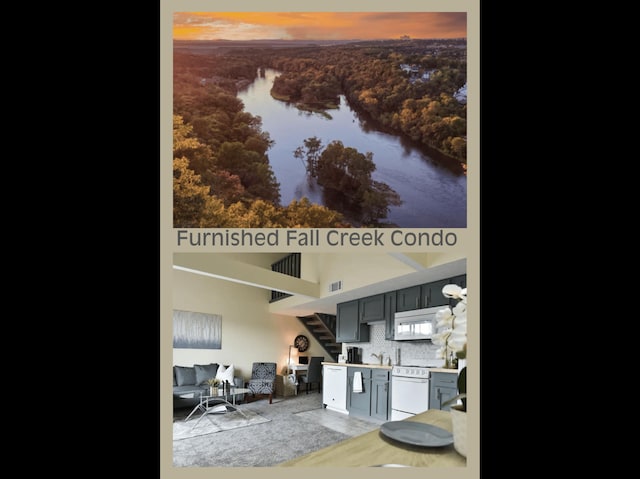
{"x": 324, "y": 333}
{"x": 322, "y": 327}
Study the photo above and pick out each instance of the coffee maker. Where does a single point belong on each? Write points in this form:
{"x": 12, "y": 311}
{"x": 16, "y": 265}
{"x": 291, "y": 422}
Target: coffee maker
{"x": 354, "y": 356}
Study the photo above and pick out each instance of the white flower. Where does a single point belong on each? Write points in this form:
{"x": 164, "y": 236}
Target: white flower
{"x": 460, "y": 308}
{"x": 454, "y": 291}
{"x": 452, "y": 323}
{"x": 440, "y": 339}
{"x": 444, "y": 318}
{"x": 457, "y": 340}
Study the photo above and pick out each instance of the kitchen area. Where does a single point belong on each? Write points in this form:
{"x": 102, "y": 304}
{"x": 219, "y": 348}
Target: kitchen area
{"x": 393, "y": 376}
{"x": 388, "y": 391}
{"x": 390, "y": 369}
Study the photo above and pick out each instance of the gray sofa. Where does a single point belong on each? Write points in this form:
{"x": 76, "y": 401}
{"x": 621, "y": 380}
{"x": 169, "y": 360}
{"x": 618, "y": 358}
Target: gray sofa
{"x": 190, "y": 381}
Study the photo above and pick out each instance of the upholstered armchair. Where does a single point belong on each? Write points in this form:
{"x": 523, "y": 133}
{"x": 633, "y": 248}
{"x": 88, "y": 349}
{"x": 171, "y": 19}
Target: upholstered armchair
{"x": 263, "y": 380}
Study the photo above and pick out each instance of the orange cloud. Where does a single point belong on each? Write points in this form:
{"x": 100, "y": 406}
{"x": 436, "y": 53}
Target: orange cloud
{"x": 317, "y": 25}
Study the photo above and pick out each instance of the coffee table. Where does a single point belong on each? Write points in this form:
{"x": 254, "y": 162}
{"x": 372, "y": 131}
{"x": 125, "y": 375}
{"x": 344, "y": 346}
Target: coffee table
{"x": 211, "y": 404}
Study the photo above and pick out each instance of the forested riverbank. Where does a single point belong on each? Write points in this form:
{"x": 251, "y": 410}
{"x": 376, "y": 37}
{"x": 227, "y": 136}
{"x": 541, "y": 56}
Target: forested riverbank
{"x": 222, "y": 173}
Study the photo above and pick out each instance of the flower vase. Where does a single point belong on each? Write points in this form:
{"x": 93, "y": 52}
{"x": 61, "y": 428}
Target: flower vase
{"x": 459, "y": 426}
{"x": 213, "y": 390}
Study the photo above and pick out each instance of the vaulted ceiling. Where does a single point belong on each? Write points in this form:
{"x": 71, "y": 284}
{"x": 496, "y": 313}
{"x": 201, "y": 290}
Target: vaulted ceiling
{"x": 363, "y": 274}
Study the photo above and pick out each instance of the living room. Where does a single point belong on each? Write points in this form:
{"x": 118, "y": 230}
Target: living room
{"x": 237, "y": 287}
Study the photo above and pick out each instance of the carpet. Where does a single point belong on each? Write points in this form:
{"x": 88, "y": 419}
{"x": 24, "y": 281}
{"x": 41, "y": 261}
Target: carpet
{"x": 286, "y": 435}
{"x": 215, "y": 423}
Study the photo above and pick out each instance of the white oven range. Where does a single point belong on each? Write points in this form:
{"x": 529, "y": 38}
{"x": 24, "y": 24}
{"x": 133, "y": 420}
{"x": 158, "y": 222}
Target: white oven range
{"x": 410, "y": 386}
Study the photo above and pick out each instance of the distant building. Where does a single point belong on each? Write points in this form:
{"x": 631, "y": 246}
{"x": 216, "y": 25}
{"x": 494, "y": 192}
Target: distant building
{"x": 405, "y": 37}
{"x": 461, "y": 94}
{"x": 427, "y": 74}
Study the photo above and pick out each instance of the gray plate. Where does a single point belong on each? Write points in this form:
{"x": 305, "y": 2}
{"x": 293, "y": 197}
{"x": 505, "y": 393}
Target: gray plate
{"x": 417, "y": 433}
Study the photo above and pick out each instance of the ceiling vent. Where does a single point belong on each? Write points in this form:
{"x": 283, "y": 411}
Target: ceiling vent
{"x": 335, "y": 286}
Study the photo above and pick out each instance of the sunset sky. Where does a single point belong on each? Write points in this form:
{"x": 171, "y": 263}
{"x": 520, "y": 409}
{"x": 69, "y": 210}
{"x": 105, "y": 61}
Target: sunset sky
{"x": 317, "y": 26}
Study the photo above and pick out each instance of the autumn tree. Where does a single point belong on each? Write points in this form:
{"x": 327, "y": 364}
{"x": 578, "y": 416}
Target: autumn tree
{"x": 311, "y": 150}
{"x": 253, "y": 169}
{"x": 345, "y": 176}
{"x": 304, "y": 214}
{"x": 193, "y": 206}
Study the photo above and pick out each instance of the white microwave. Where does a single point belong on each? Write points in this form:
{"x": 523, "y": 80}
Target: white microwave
{"x": 415, "y": 324}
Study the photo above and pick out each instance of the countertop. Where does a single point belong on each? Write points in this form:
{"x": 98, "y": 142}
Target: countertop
{"x": 378, "y": 366}
{"x": 373, "y": 448}
{"x": 443, "y": 370}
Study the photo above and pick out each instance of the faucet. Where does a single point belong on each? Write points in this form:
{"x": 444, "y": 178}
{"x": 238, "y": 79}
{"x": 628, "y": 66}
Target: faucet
{"x": 378, "y": 356}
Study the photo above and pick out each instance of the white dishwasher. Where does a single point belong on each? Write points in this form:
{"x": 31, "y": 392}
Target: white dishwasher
{"x": 334, "y": 388}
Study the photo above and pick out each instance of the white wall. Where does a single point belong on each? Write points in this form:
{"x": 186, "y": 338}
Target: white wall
{"x": 356, "y": 269}
{"x": 249, "y": 332}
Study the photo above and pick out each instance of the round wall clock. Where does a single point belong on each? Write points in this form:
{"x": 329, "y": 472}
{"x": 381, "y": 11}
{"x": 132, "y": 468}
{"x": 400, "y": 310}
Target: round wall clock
{"x": 301, "y": 342}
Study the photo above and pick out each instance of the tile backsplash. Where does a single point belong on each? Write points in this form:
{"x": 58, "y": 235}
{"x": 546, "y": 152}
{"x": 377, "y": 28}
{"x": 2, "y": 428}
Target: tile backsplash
{"x": 409, "y": 350}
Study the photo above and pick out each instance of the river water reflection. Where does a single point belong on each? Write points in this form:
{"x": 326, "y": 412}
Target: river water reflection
{"x": 433, "y": 196}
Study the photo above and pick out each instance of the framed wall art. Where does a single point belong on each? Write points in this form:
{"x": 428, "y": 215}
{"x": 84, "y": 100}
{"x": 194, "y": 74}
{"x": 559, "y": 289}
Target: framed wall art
{"x": 193, "y": 330}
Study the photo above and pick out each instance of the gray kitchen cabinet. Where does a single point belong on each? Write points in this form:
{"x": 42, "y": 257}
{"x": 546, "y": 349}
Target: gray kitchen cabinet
{"x": 348, "y": 326}
{"x": 380, "y": 394}
{"x": 432, "y": 294}
{"x": 359, "y": 403}
{"x": 408, "y": 299}
{"x": 443, "y": 387}
{"x": 428, "y": 295}
{"x": 334, "y": 387}
{"x": 389, "y": 312}
{"x": 460, "y": 280}
{"x": 371, "y": 309}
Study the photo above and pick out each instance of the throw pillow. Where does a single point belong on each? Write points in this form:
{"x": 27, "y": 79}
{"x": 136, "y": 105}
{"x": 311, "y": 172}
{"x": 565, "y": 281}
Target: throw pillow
{"x": 204, "y": 372}
{"x": 226, "y": 373}
{"x": 185, "y": 375}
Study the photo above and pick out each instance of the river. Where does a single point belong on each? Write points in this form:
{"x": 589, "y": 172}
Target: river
{"x": 433, "y": 196}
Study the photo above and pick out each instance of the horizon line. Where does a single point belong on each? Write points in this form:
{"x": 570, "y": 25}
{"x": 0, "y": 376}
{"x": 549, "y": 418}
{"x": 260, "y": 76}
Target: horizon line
{"x": 311, "y": 40}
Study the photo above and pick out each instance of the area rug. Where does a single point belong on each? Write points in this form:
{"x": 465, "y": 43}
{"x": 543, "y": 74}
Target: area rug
{"x": 298, "y": 425}
{"x": 215, "y": 423}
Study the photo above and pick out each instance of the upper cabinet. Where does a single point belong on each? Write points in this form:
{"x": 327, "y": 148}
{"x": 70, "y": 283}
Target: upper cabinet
{"x": 432, "y": 294}
{"x": 389, "y": 312}
{"x": 353, "y": 317}
{"x": 408, "y": 299}
{"x": 372, "y": 309}
{"x": 460, "y": 280}
{"x": 428, "y": 295}
{"x": 349, "y": 329}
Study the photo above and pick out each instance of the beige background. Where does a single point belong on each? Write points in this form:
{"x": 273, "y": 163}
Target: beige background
{"x": 468, "y": 244}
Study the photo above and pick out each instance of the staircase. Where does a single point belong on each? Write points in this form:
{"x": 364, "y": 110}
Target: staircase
{"x": 323, "y": 327}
